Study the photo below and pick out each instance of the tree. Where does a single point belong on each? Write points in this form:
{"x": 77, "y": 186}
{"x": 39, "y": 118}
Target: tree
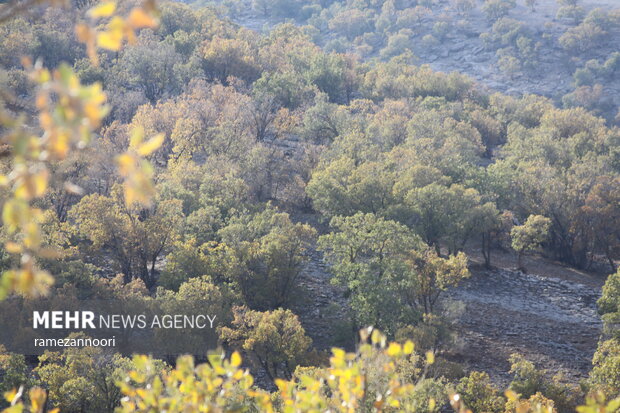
{"x": 575, "y": 13}
{"x": 509, "y": 64}
{"x": 581, "y": 38}
{"x": 428, "y": 275}
{"x": 205, "y": 294}
{"x": 187, "y": 260}
{"x": 397, "y": 44}
{"x": 207, "y": 120}
{"x": 270, "y": 251}
{"x": 275, "y": 340}
{"x": 223, "y": 57}
{"x": 148, "y": 67}
{"x": 322, "y": 122}
{"x": 350, "y": 23}
{"x": 609, "y": 304}
{"x": 84, "y": 379}
{"x": 342, "y": 188}
{"x": 393, "y": 280}
{"x": 136, "y": 236}
{"x": 463, "y": 6}
{"x": 494, "y": 227}
{"x": 529, "y": 236}
{"x": 605, "y": 374}
{"x": 411, "y": 18}
{"x": 544, "y": 173}
{"x": 14, "y": 371}
{"x": 367, "y": 254}
{"x": 80, "y": 110}
{"x": 450, "y": 215}
{"x": 530, "y": 382}
{"x": 495, "y": 9}
{"x": 603, "y": 217}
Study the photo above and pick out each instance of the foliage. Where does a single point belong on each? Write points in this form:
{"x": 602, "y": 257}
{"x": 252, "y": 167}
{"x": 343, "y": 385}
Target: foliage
{"x": 605, "y": 374}
{"x": 147, "y": 232}
{"x": 14, "y": 371}
{"x": 67, "y": 123}
{"x": 274, "y": 340}
{"x": 163, "y": 159}
{"x": 479, "y": 394}
{"x": 530, "y": 235}
{"x": 494, "y": 9}
{"x": 269, "y": 250}
{"x": 392, "y": 279}
{"x": 351, "y": 382}
{"x": 367, "y": 256}
{"x": 530, "y": 383}
{"x": 83, "y": 379}
{"x": 219, "y": 385}
{"x": 609, "y": 303}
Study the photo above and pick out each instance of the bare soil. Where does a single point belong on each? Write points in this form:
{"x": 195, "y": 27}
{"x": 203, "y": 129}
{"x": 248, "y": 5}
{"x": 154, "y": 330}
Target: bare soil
{"x": 548, "y": 315}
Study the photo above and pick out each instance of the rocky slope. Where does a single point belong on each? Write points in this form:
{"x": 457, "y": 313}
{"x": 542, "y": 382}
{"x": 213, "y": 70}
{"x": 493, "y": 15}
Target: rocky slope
{"x": 550, "y": 319}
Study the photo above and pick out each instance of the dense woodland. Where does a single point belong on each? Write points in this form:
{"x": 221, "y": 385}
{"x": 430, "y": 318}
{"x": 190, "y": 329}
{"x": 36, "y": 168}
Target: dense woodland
{"x": 320, "y": 135}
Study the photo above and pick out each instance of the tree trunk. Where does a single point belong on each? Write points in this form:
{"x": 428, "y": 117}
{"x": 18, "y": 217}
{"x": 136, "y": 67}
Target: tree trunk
{"x": 610, "y": 259}
{"x": 486, "y": 249}
{"x": 520, "y": 261}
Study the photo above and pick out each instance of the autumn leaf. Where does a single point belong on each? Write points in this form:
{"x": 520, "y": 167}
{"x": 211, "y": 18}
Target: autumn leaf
{"x": 105, "y": 9}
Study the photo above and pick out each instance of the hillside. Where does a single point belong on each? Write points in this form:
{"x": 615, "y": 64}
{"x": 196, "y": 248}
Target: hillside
{"x": 363, "y": 231}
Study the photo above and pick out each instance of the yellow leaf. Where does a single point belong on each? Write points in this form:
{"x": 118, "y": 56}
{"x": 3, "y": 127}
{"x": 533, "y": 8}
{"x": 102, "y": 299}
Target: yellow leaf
{"x": 40, "y": 182}
{"x": 112, "y": 38}
{"x": 13, "y": 248}
{"x": 138, "y": 19}
{"x": 32, "y": 237}
{"x": 430, "y": 357}
{"x": 408, "y": 347}
{"x": 395, "y": 403}
{"x": 511, "y": 395}
{"x": 9, "y": 396}
{"x": 136, "y": 137}
{"x": 376, "y": 337}
{"x": 431, "y": 404}
{"x": 131, "y": 196}
{"x": 151, "y": 145}
{"x": 105, "y": 9}
{"x": 125, "y": 164}
{"x": 235, "y": 359}
{"x": 60, "y": 145}
{"x": 393, "y": 349}
{"x": 109, "y": 40}
{"x": 37, "y": 399}
{"x": 14, "y": 213}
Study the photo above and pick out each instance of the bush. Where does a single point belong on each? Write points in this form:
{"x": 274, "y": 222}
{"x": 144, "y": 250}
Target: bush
{"x": 605, "y": 374}
{"x": 479, "y": 394}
